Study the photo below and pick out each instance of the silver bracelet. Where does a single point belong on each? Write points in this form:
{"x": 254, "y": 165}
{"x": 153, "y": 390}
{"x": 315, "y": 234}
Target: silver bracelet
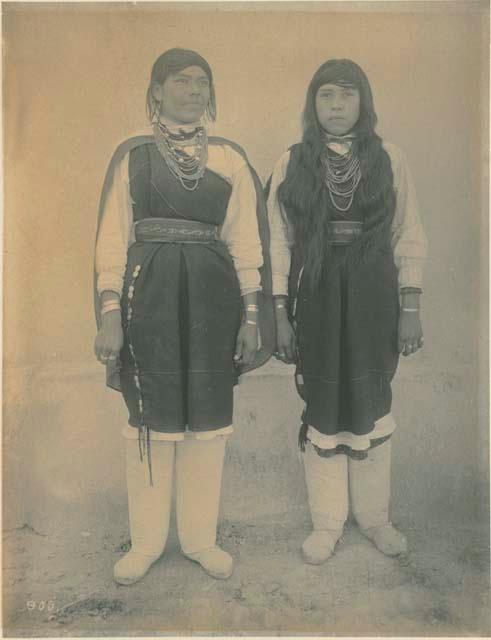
{"x": 251, "y": 322}
{"x": 410, "y": 310}
{"x": 110, "y": 307}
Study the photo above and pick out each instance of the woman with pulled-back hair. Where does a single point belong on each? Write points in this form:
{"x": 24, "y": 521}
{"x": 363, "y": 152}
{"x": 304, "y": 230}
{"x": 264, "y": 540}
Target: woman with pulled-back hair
{"x": 181, "y": 279}
{"x": 347, "y": 253}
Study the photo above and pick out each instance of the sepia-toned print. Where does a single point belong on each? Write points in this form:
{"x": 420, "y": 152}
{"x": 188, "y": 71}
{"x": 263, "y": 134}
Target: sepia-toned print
{"x": 245, "y": 319}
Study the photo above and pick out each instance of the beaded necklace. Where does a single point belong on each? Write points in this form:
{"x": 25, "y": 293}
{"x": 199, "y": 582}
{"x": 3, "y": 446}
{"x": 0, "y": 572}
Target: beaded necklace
{"x": 187, "y": 167}
{"x": 343, "y": 175}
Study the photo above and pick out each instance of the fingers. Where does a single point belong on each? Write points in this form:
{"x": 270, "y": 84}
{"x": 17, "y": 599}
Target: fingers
{"x": 291, "y": 350}
{"x": 286, "y": 349}
{"x": 410, "y": 347}
{"x": 238, "y": 351}
{"x": 281, "y": 355}
{"x": 289, "y": 354}
{"x": 401, "y": 345}
{"x": 248, "y": 356}
{"x": 105, "y": 353}
{"x": 284, "y": 357}
{"x": 293, "y": 347}
{"x": 245, "y": 351}
{"x": 284, "y": 354}
{"x": 248, "y": 353}
{"x": 104, "y": 358}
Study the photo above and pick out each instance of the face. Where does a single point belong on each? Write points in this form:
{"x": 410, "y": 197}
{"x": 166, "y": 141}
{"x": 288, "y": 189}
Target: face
{"x": 184, "y": 96}
{"x": 338, "y": 108}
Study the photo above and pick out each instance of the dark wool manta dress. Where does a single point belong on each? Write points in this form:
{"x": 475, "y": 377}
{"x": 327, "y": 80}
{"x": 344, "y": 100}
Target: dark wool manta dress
{"x": 347, "y": 336}
{"x": 181, "y": 301}
{"x": 181, "y": 306}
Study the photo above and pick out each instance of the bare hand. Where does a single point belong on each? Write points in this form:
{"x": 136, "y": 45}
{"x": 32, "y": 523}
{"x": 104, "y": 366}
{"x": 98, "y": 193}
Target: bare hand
{"x": 246, "y": 345}
{"x": 109, "y": 340}
{"x": 286, "y": 341}
{"x": 410, "y": 333}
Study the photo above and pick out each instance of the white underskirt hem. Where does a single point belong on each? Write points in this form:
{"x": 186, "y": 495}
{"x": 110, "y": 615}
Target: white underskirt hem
{"x": 131, "y": 433}
{"x": 385, "y": 426}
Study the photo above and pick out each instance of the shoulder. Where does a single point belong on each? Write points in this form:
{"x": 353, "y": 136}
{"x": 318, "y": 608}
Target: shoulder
{"x": 229, "y": 152}
{"x": 137, "y": 138}
{"x": 141, "y": 138}
{"x": 227, "y": 145}
{"x": 396, "y": 156}
{"x": 283, "y": 161}
{"x": 230, "y": 156}
{"x": 124, "y": 147}
{"x": 293, "y": 154}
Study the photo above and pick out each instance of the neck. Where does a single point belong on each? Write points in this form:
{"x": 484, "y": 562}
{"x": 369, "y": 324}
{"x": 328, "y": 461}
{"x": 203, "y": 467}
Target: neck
{"x": 172, "y": 125}
{"x": 341, "y": 145}
{"x": 341, "y": 136}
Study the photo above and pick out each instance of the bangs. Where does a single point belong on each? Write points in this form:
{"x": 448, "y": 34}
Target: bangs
{"x": 345, "y": 73}
{"x": 338, "y": 72}
{"x": 344, "y": 83}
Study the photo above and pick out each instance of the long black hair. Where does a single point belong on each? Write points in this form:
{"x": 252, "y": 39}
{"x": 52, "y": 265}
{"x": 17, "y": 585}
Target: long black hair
{"x": 304, "y": 194}
{"x": 171, "y": 62}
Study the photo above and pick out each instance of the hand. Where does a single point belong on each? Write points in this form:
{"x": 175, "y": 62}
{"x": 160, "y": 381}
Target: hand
{"x": 286, "y": 341}
{"x": 410, "y": 337}
{"x": 246, "y": 345}
{"x": 109, "y": 340}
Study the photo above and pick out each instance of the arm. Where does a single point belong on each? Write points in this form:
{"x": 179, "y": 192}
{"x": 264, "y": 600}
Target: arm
{"x": 111, "y": 250}
{"x": 410, "y": 249}
{"x": 114, "y": 233}
{"x": 280, "y": 248}
{"x": 241, "y": 235}
{"x": 281, "y": 233}
{"x": 248, "y": 340}
{"x": 239, "y": 230}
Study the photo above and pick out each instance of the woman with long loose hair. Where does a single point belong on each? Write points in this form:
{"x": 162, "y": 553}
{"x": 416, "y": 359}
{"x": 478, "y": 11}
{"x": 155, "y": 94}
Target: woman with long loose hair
{"x": 347, "y": 251}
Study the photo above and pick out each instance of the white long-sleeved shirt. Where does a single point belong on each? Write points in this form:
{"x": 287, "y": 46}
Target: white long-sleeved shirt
{"x": 409, "y": 241}
{"x": 239, "y": 230}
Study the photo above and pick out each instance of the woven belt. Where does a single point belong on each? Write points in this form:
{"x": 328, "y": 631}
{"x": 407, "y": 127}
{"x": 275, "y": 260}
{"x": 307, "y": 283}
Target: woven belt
{"x": 170, "y": 230}
{"x": 345, "y": 231}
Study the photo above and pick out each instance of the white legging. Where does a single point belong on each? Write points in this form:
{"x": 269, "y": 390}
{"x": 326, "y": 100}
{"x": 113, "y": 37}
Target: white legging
{"x": 331, "y": 480}
{"x": 198, "y": 467}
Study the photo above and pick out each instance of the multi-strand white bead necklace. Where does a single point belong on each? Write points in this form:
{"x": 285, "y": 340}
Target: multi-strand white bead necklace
{"x": 185, "y": 153}
{"x": 343, "y": 175}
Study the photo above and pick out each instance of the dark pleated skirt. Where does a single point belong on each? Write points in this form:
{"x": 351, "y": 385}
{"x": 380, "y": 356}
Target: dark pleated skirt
{"x": 347, "y": 340}
{"x": 181, "y": 314}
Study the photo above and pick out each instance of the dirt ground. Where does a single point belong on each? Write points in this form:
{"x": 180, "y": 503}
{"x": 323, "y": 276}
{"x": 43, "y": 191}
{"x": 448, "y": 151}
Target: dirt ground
{"x": 61, "y": 585}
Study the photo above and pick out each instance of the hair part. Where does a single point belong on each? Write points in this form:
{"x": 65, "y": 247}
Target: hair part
{"x": 170, "y": 63}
